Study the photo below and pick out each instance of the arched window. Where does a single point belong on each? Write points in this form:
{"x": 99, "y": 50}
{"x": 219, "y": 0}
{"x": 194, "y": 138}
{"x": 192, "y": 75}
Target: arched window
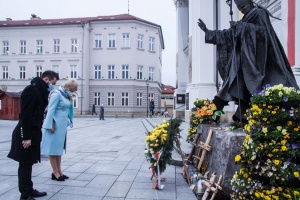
{"x": 75, "y": 100}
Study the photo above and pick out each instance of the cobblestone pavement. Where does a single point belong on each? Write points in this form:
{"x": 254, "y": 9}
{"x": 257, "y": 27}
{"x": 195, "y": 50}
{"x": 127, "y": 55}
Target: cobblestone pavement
{"x": 104, "y": 160}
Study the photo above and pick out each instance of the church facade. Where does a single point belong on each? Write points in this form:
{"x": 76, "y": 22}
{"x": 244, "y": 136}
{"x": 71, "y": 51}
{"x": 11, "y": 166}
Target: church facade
{"x": 197, "y": 76}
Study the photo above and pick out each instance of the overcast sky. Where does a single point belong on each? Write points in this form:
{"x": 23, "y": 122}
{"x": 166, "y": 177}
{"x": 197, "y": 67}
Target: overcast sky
{"x": 161, "y": 12}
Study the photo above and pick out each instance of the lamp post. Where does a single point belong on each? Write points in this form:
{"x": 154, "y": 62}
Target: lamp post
{"x": 147, "y": 84}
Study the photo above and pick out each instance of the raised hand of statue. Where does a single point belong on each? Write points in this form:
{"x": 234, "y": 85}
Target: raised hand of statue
{"x": 202, "y": 25}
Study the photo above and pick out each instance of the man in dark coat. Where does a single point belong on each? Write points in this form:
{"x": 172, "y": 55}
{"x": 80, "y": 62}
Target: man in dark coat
{"x": 249, "y": 56}
{"x": 27, "y": 135}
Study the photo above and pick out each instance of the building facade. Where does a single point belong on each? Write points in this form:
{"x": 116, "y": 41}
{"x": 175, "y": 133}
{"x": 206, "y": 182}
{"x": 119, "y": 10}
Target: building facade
{"x": 197, "y": 76}
{"x": 116, "y": 60}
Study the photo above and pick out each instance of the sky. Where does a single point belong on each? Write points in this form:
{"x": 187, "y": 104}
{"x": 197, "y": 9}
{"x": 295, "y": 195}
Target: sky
{"x": 161, "y": 12}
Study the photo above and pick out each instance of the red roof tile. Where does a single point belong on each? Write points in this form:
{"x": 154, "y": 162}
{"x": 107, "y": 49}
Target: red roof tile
{"x": 167, "y": 89}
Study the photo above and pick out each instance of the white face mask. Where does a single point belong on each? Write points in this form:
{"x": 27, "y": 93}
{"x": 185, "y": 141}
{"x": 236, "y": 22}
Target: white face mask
{"x": 70, "y": 94}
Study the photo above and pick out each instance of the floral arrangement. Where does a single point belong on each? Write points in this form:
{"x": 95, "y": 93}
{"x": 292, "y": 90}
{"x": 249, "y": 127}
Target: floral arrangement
{"x": 161, "y": 139}
{"x": 204, "y": 112}
{"x": 270, "y": 164}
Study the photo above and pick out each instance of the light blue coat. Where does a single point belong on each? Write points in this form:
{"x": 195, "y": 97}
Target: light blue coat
{"x": 58, "y": 110}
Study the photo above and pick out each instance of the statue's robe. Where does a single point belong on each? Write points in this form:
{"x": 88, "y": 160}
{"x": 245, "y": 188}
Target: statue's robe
{"x": 252, "y": 49}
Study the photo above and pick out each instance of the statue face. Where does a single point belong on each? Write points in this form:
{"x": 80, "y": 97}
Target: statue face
{"x": 243, "y": 5}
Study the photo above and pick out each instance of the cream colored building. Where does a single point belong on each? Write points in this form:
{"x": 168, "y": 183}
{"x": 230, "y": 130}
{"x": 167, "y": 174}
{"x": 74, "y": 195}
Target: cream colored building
{"x": 196, "y": 61}
{"x": 112, "y": 57}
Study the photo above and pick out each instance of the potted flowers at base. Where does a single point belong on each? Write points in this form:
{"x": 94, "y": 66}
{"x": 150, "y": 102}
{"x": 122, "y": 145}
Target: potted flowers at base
{"x": 270, "y": 167}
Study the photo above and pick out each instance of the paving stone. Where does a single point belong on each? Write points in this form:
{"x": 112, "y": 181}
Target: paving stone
{"x": 119, "y": 189}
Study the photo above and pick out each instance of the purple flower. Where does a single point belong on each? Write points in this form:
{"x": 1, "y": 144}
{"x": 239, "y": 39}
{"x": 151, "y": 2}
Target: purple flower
{"x": 285, "y": 99}
{"x": 294, "y": 146}
{"x": 267, "y": 85}
{"x": 255, "y": 92}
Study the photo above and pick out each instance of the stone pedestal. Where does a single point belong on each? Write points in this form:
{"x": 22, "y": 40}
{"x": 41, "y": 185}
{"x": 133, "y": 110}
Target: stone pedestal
{"x": 225, "y": 146}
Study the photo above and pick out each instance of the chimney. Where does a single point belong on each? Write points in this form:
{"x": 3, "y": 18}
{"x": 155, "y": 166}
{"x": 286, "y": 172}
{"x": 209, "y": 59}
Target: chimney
{"x": 8, "y": 19}
{"x": 34, "y": 17}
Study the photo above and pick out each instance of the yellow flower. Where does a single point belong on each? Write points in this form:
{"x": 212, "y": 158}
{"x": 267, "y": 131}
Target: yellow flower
{"x": 296, "y": 129}
{"x": 296, "y": 193}
{"x": 265, "y": 119}
{"x": 270, "y": 155}
{"x": 276, "y": 162}
{"x": 279, "y": 128}
{"x": 273, "y": 112}
{"x": 283, "y": 142}
{"x": 265, "y": 130}
{"x": 284, "y": 148}
{"x": 289, "y": 123}
{"x": 248, "y": 136}
{"x": 245, "y": 175}
{"x": 283, "y": 131}
{"x": 296, "y": 174}
{"x": 237, "y": 158}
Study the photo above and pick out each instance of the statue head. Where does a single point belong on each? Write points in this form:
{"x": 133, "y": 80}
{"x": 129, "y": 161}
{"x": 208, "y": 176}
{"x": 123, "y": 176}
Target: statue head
{"x": 244, "y": 5}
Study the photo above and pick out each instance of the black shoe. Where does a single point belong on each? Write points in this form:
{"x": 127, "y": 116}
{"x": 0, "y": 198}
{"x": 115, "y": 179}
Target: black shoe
{"x": 29, "y": 198}
{"x": 57, "y": 179}
{"x": 36, "y": 193}
{"x": 65, "y": 177}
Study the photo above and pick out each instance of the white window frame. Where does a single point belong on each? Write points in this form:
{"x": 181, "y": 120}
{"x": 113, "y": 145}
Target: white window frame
{"x": 98, "y": 41}
{"x": 125, "y": 71}
{"x": 151, "y": 43}
{"x": 38, "y": 70}
{"x": 110, "y": 98}
{"x": 125, "y": 99}
{"x": 39, "y": 46}
{"x": 74, "y": 45}
{"x": 4, "y": 72}
{"x": 73, "y": 71}
{"x": 22, "y": 46}
{"x": 97, "y": 99}
{"x": 97, "y": 74}
{"x": 22, "y": 72}
{"x": 5, "y": 45}
{"x": 56, "y": 46}
{"x": 111, "y": 72}
{"x": 125, "y": 40}
{"x": 139, "y": 72}
{"x": 140, "y": 41}
{"x": 139, "y": 99}
{"x": 150, "y": 96}
{"x": 111, "y": 40}
{"x": 55, "y": 68}
{"x": 151, "y": 73}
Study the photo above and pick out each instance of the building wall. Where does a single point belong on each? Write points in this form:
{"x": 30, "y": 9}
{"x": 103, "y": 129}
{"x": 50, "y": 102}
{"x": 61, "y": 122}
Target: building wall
{"x": 86, "y": 57}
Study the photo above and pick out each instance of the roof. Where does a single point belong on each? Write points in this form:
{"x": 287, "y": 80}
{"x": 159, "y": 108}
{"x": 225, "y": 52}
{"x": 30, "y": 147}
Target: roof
{"x": 11, "y": 94}
{"x": 36, "y": 21}
{"x": 167, "y": 89}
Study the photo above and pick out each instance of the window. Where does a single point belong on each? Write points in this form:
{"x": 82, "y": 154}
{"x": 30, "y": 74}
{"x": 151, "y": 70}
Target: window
{"x": 151, "y": 73}
{"x": 151, "y": 44}
{"x": 22, "y": 72}
{"x": 111, "y": 71}
{"x": 39, "y": 46}
{"x": 111, "y": 40}
{"x": 73, "y": 45}
{"x": 98, "y": 40}
{"x": 39, "y": 70}
{"x": 125, "y": 99}
{"x": 125, "y": 71}
{"x": 4, "y": 72}
{"x": 140, "y": 41}
{"x": 139, "y": 73}
{"x": 110, "y": 99}
{"x": 55, "y": 68}
{"x": 150, "y": 96}
{"x": 56, "y": 46}
{"x": 5, "y": 45}
{"x": 139, "y": 99}
{"x": 126, "y": 40}
{"x": 73, "y": 71}
{"x": 22, "y": 46}
{"x": 97, "y": 99}
{"x": 97, "y": 72}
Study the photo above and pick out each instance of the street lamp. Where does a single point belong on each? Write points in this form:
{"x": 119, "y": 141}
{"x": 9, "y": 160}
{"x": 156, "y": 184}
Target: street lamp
{"x": 147, "y": 84}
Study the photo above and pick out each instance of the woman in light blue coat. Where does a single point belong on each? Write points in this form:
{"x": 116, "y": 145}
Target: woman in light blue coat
{"x": 58, "y": 118}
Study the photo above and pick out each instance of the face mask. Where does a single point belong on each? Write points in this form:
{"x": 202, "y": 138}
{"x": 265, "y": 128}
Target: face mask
{"x": 50, "y": 87}
{"x": 70, "y": 94}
